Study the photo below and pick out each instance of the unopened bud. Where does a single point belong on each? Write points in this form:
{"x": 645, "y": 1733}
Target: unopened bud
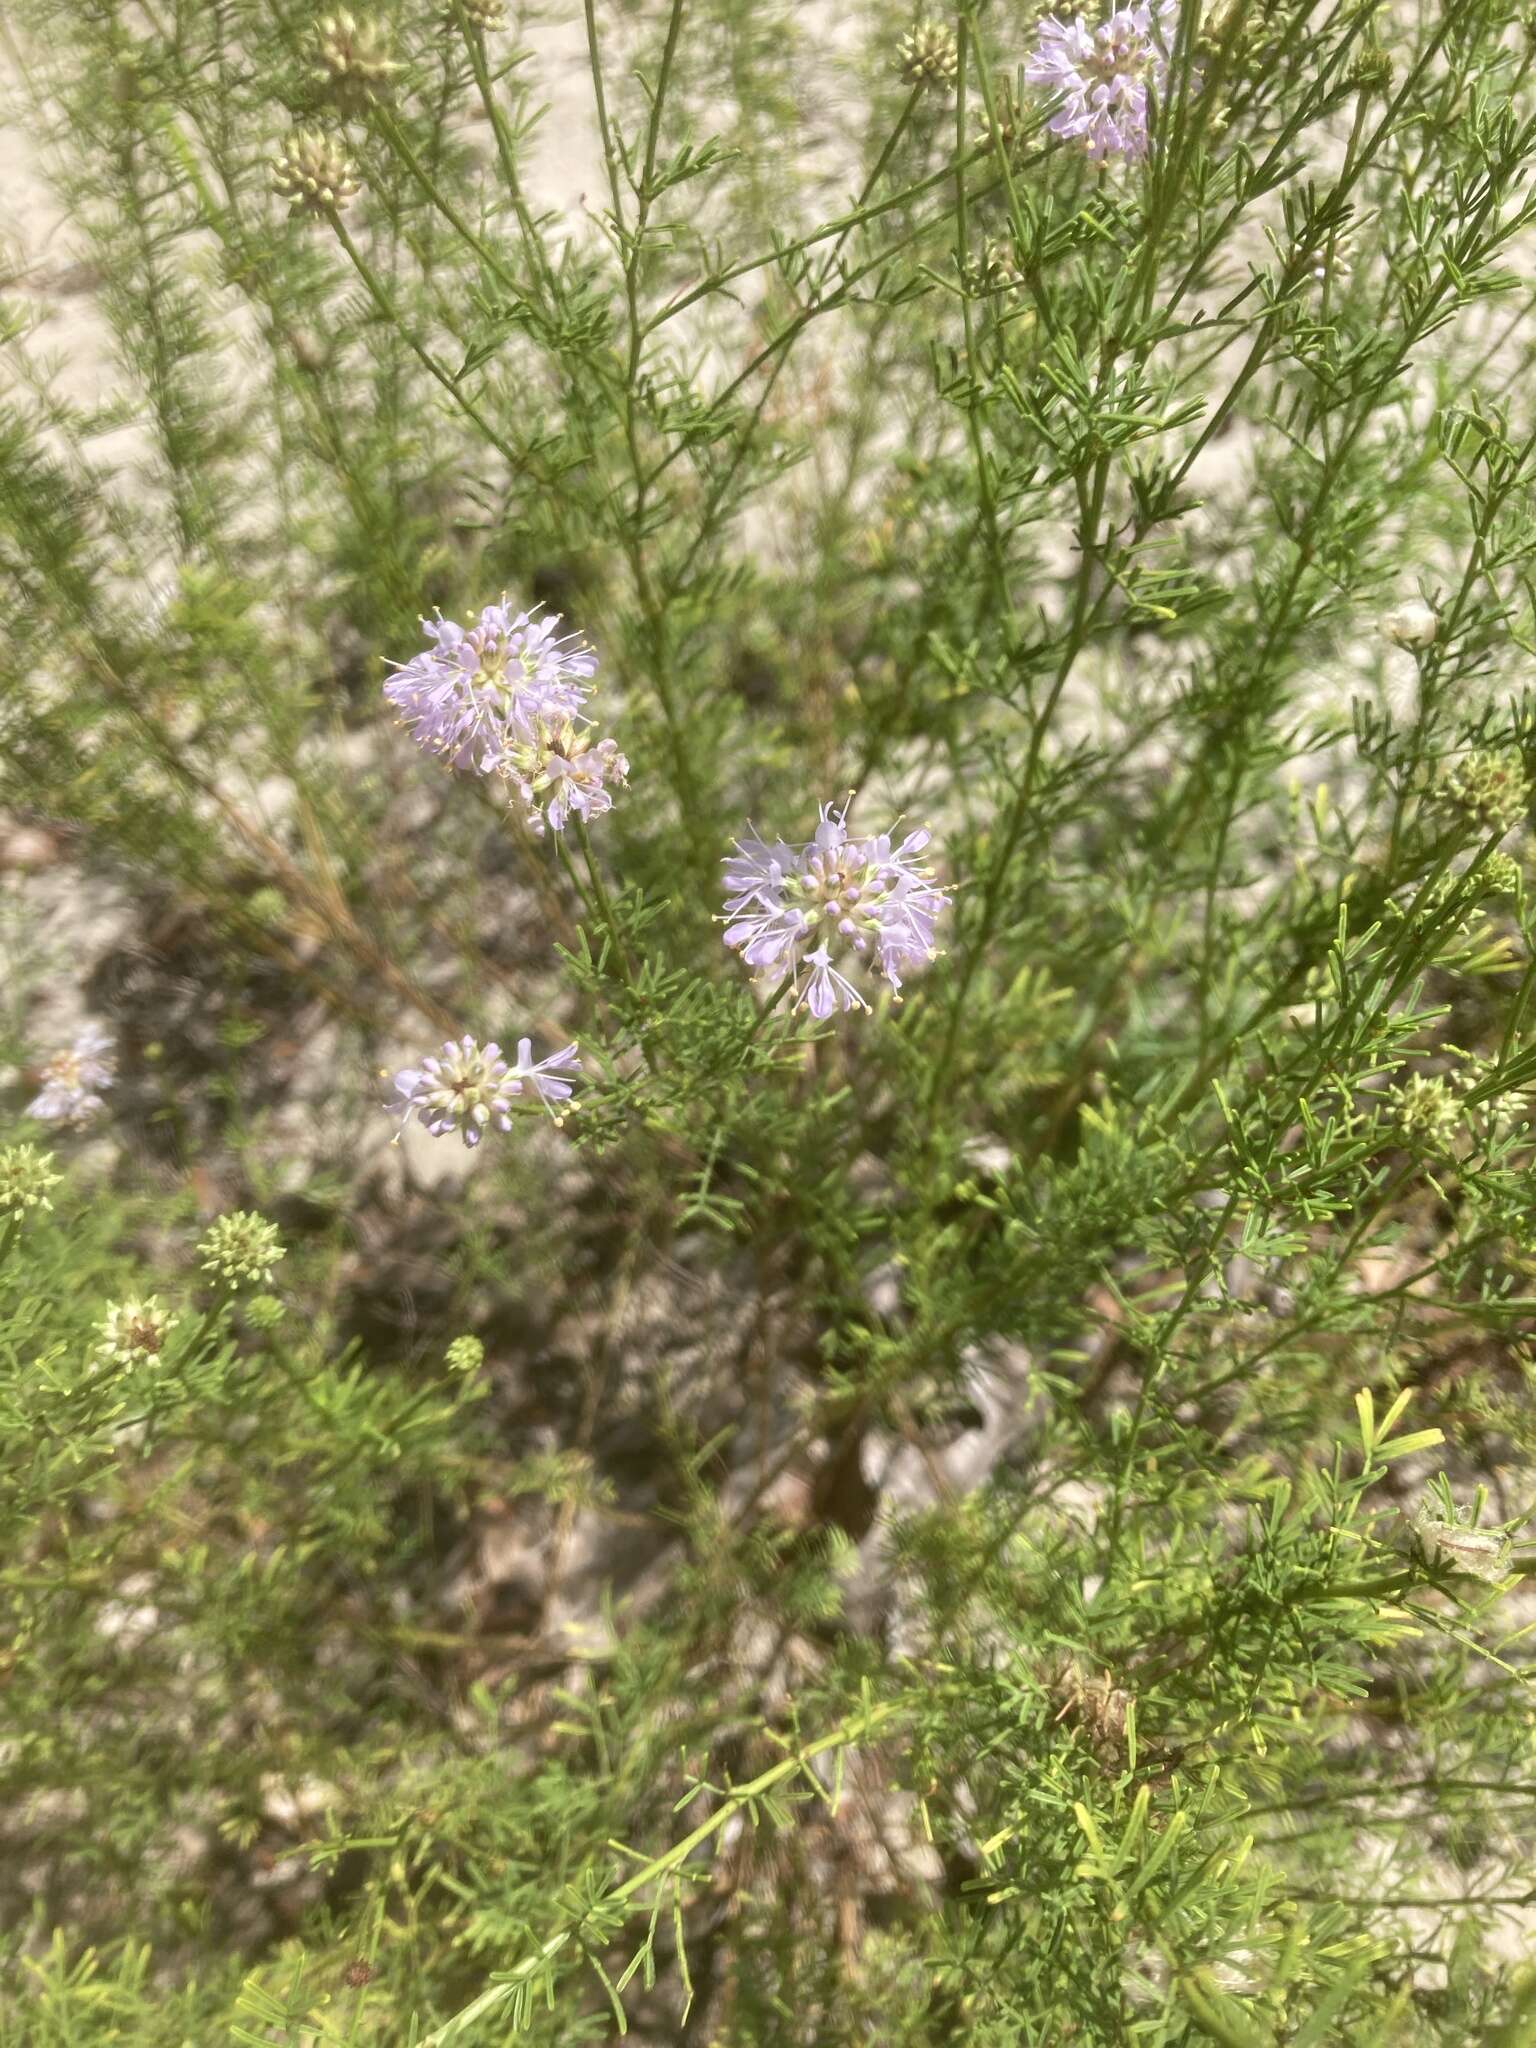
{"x": 314, "y": 174}
{"x": 1412, "y": 624}
{"x": 929, "y": 54}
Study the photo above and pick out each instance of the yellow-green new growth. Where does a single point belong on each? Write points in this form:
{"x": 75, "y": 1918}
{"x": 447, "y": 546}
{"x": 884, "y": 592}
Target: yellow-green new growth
{"x": 1371, "y": 71}
{"x": 1500, "y": 874}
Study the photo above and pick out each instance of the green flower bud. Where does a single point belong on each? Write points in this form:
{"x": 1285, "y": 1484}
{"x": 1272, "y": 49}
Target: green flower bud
{"x": 26, "y": 1175}
{"x": 465, "y": 1354}
{"x": 929, "y": 55}
{"x": 133, "y": 1331}
{"x": 242, "y": 1247}
{"x": 1489, "y": 787}
{"x": 264, "y": 1311}
{"x": 314, "y": 174}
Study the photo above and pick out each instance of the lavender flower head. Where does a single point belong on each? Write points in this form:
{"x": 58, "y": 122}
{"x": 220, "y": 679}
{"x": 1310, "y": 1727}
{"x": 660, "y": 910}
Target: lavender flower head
{"x": 1103, "y": 75}
{"x": 72, "y": 1080}
{"x": 556, "y": 768}
{"x": 504, "y": 697}
{"x": 468, "y": 1087}
{"x": 798, "y": 910}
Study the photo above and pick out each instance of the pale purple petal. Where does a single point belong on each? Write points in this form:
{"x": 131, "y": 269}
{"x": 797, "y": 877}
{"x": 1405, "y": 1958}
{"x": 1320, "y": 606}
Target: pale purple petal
{"x": 72, "y": 1080}
{"x": 793, "y": 908}
{"x": 1104, "y": 76}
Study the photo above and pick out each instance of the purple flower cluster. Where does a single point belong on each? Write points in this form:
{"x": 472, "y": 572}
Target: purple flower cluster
{"x": 792, "y": 911}
{"x": 469, "y": 1086}
{"x": 1103, "y": 75}
{"x": 73, "y": 1079}
{"x": 504, "y": 697}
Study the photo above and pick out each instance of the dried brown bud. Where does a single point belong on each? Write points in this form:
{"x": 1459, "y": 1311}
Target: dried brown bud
{"x": 1096, "y": 1706}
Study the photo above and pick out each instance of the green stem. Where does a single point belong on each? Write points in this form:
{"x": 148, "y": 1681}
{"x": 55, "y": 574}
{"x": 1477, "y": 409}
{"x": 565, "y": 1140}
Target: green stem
{"x": 599, "y": 907}
{"x": 474, "y": 43}
{"x": 769, "y": 1008}
{"x": 604, "y": 904}
{"x": 993, "y": 888}
{"x": 841, "y": 225}
{"x": 631, "y": 245}
{"x": 996, "y": 558}
{"x": 428, "y": 362}
{"x": 855, "y": 1729}
{"x": 398, "y": 141}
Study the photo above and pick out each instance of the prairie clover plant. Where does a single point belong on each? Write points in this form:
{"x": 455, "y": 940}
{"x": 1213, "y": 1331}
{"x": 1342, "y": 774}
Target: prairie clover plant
{"x": 1490, "y": 787}
{"x": 1004, "y": 1521}
{"x": 1412, "y": 624}
{"x": 354, "y": 60}
{"x": 929, "y": 55}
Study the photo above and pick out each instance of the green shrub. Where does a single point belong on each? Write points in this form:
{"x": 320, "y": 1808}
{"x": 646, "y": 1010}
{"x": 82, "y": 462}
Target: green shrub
{"x": 967, "y": 1490}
